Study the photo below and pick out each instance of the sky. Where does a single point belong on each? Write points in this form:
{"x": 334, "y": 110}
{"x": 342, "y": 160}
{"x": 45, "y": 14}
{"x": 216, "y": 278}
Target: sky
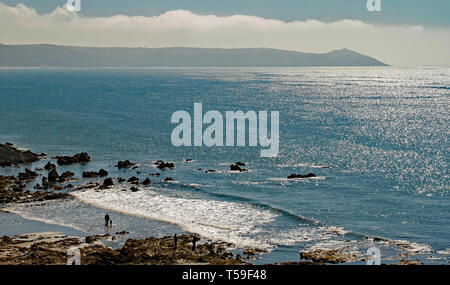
{"x": 404, "y": 32}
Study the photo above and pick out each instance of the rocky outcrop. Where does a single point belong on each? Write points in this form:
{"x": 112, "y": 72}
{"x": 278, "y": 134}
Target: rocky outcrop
{"x": 146, "y": 182}
{"x": 10, "y": 155}
{"x": 52, "y": 250}
{"x": 53, "y": 176}
{"x": 28, "y": 175}
{"x": 94, "y": 174}
{"x": 294, "y": 176}
{"x": 168, "y": 179}
{"x": 133, "y": 180}
{"x": 14, "y": 193}
{"x": 82, "y": 158}
{"x": 49, "y": 166}
{"x": 235, "y": 167}
{"x": 164, "y": 165}
{"x": 66, "y": 176}
{"x": 333, "y": 256}
{"x": 108, "y": 182}
{"x": 125, "y": 164}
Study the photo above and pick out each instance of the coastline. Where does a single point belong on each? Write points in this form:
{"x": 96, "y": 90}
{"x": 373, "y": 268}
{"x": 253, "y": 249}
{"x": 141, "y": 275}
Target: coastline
{"x": 17, "y": 192}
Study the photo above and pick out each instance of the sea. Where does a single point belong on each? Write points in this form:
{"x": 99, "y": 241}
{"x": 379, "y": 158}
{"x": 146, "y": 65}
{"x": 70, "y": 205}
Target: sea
{"x": 377, "y": 139}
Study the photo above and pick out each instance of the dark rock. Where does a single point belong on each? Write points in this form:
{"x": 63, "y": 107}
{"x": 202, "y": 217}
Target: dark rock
{"x": 134, "y": 189}
{"x": 235, "y": 167}
{"x": 125, "y": 164}
{"x": 164, "y": 165}
{"x": 94, "y": 238}
{"x": 240, "y": 163}
{"x": 146, "y": 181}
{"x": 53, "y": 176}
{"x": 133, "y": 180}
{"x": 93, "y": 174}
{"x": 66, "y": 176}
{"x": 155, "y": 174}
{"x": 122, "y": 233}
{"x": 108, "y": 182}
{"x": 77, "y": 158}
{"x": 210, "y": 171}
{"x": 49, "y": 166}
{"x": 293, "y": 176}
{"x": 120, "y": 180}
{"x": 333, "y": 256}
{"x": 10, "y": 155}
{"x": 28, "y": 175}
{"x": 167, "y": 179}
{"x": 188, "y": 160}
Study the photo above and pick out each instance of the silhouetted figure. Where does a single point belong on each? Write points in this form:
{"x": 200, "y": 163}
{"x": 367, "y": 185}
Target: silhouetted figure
{"x": 106, "y": 220}
{"x": 175, "y": 241}
{"x": 110, "y": 223}
{"x": 195, "y": 239}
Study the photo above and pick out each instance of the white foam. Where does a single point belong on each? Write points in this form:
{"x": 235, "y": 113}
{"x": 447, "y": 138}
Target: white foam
{"x": 213, "y": 219}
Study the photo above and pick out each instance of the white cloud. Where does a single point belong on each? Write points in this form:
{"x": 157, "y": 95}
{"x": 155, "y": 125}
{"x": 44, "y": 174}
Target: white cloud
{"x": 398, "y": 45}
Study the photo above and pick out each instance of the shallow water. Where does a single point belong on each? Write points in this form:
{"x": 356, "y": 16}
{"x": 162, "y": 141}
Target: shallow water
{"x": 383, "y": 132}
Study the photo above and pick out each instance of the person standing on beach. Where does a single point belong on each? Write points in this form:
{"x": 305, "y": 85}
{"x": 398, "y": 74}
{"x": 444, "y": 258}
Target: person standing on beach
{"x": 195, "y": 239}
{"x": 110, "y": 223}
{"x": 107, "y": 220}
{"x": 175, "y": 241}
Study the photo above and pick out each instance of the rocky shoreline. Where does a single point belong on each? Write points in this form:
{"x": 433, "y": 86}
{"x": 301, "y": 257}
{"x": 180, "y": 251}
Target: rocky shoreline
{"x": 52, "y": 249}
{"x": 42, "y": 248}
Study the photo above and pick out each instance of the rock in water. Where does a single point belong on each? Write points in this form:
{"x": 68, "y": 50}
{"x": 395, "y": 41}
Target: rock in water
{"x": 49, "y": 166}
{"x": 133, "y": 180}
{"x": 293, "y": 176}
{"x": 125, "y": 164}
{"x": 164, "y": 165}
{"x": 235, "y": 167}
{"x": 77, "y": 158}
{"x": 146, "y": 181}
{"x": 9, "y": 155}
{"x": 53, "y": 176}
{"x": 108, "y": 182}
{"x": 66, "y": 176}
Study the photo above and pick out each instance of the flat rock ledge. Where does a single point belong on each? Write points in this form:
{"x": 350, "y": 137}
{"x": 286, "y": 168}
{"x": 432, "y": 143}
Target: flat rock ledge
{"x": 35, "y": 249}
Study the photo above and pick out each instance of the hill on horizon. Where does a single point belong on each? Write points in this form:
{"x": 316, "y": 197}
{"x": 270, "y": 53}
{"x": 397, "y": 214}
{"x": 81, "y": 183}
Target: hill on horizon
{"x": 44, "y": 55}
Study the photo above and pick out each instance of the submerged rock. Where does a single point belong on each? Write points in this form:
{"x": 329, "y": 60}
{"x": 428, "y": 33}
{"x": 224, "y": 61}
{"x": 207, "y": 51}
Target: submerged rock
{"x": 167, "y": 179}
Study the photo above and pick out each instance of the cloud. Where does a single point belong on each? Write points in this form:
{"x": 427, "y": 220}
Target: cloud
{"x": 398, "y": 45}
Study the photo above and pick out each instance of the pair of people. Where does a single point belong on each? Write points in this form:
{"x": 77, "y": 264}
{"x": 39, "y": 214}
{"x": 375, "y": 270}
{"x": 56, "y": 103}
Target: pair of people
{"x": 108, "y": 221}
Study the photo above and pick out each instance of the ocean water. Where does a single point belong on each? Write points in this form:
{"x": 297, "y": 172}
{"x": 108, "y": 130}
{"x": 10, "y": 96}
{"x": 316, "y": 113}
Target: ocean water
{"x": 381, "y": 132}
